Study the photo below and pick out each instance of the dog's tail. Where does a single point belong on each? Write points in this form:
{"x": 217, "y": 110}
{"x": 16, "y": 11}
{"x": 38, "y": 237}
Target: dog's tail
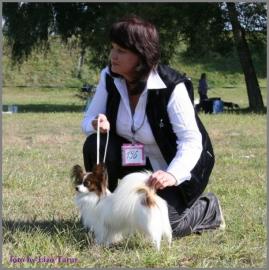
{"x": 149, "y": 198}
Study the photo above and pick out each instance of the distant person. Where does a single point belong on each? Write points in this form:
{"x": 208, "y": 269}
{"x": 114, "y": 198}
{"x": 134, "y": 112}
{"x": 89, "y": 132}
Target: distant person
{"x": 202, "y": 88}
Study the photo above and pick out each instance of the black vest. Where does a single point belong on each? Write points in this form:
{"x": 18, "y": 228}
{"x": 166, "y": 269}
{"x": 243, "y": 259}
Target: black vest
{"x": 156, "y": 112}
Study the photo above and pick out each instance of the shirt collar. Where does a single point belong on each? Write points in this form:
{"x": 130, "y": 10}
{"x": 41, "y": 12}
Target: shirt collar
{"x": 154, "y": 81}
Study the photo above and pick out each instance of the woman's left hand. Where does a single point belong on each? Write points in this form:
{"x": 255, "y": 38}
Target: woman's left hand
{"x": 161, "y": 179}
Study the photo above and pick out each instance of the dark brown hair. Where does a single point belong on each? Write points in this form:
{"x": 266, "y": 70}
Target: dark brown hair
{"x": 140, "y": 37}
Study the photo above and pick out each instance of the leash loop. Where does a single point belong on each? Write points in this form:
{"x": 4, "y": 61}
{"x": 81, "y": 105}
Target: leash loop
{"x": 98, "y": 142}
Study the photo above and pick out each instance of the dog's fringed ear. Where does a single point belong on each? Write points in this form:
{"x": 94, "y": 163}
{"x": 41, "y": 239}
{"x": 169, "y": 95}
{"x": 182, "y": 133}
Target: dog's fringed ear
{"x": 100, "y": 171}
{"x": 77, "y": 174}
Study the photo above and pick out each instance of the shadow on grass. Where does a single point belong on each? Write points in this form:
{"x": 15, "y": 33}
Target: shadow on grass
{"x": 242, "y": 111}
{"x": 46, "y": 108}
{"x": 46, "y": 226}
{"x": 249, "y": 111}
{"x": 72, "y": 229}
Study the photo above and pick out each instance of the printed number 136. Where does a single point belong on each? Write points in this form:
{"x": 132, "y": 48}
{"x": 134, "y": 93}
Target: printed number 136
{"x": 132, "y": 154}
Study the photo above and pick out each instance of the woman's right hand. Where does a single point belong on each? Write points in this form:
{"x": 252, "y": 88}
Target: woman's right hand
{"x": 103, "y": 123}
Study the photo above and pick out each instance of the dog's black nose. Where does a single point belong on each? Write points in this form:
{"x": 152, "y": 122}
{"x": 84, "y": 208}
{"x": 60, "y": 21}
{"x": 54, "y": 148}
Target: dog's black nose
{"x": 76, "y": 188}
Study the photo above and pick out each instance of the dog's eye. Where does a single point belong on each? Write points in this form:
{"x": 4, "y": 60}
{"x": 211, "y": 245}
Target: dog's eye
{"x": 87, "y": 184}
{"x": 91, "y": 187}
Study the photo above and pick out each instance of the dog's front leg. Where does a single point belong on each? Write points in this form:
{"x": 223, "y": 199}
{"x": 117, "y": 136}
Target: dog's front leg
{"x": 99, "y": 239}
{"x": 99, "y": 234}
{"x": 107, "y": 237}
{"x": 103, "y": 237}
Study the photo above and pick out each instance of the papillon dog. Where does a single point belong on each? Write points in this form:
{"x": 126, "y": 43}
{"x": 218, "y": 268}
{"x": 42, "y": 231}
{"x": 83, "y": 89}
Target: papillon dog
{"x": 132, "y": 207}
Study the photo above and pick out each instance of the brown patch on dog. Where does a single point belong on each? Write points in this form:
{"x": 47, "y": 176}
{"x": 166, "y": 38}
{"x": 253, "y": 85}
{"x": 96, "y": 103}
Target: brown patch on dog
{"x": 149, "y": 199}
{"x": 100, "y": 173}
{"x": 96, "y": 181}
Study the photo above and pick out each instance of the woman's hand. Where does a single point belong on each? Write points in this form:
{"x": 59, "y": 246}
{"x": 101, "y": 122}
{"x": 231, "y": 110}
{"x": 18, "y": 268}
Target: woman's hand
{"x": 161, "y": 179}
{"x": 103, "y": 123}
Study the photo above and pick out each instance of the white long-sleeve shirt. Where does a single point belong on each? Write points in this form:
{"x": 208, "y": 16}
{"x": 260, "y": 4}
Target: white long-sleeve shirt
{"x": 181, "y": 115}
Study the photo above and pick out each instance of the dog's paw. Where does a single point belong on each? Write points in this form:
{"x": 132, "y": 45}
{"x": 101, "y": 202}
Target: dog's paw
{"x": 116, "y": 238}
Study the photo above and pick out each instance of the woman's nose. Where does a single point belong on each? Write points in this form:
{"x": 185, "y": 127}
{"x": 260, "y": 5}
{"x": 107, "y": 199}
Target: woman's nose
{"x": 113, "y": 55}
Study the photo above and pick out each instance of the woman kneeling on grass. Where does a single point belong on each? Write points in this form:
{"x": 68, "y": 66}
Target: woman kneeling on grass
{"x": 146, "y": 105}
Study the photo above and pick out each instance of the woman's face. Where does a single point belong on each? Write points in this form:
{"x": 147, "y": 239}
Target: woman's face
{"x": 123, "y": 61}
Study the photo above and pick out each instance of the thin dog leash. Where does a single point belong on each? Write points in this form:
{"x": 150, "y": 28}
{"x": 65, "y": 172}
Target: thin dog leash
{"x": 98, "y": 142}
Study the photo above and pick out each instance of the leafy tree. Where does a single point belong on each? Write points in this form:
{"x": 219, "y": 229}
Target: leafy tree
{"x": 27, "y": 26}
{"x": 253, "y": 89}
{"x": 204, "y": 27}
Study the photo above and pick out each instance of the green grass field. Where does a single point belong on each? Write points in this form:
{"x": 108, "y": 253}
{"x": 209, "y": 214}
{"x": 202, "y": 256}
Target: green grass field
{"x": 41, "y": 143}
{"x": 40, "y": 219}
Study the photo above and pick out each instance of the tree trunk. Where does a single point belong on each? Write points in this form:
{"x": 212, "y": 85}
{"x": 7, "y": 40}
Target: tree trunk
{"x": 253, "y": 89}
{"x": 80, "y": 63}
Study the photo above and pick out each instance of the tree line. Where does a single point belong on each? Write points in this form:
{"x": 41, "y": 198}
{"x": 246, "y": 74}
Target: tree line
{"x": 204, "y": 27}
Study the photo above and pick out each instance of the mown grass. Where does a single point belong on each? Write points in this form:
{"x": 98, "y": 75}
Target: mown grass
{"x": 43, "y": 141}
{"x": 40, "y": 218}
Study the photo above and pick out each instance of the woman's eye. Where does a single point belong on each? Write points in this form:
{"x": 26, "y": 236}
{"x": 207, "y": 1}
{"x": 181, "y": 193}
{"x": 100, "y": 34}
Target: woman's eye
{"x": 118, "y": 50}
